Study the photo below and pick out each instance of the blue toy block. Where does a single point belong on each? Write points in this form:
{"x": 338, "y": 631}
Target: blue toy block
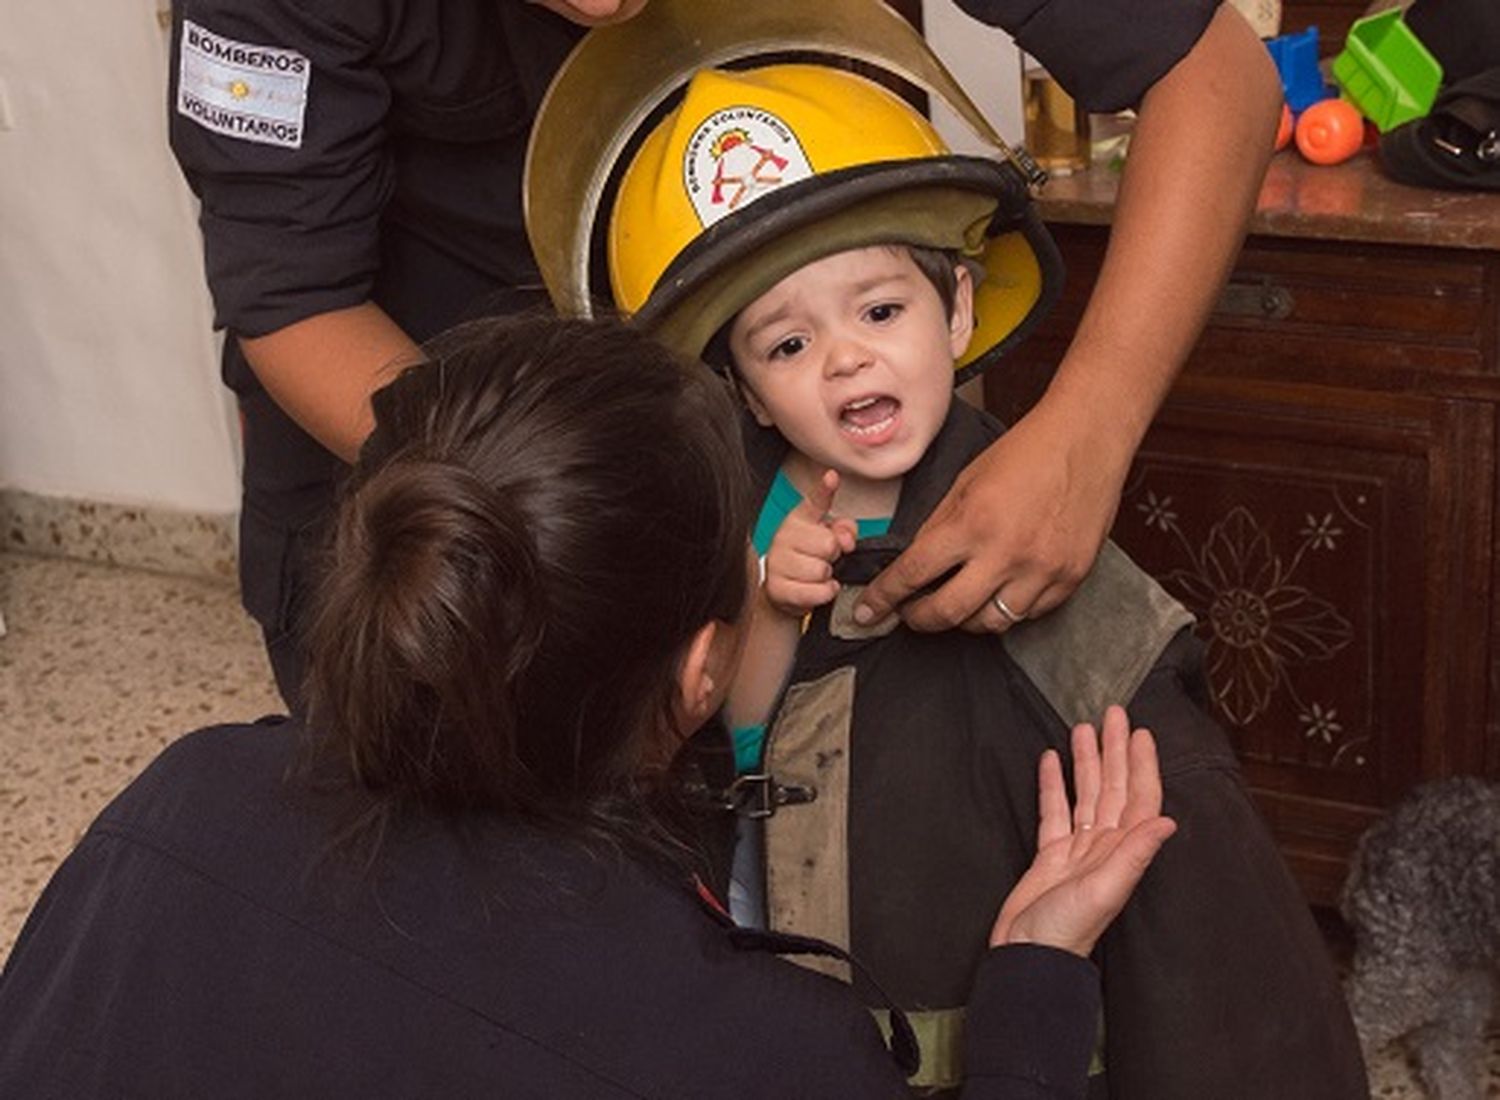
{"x": 1296, "y": 57}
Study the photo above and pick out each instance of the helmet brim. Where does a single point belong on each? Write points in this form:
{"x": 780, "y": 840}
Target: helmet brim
{"x": 973, "y": 206}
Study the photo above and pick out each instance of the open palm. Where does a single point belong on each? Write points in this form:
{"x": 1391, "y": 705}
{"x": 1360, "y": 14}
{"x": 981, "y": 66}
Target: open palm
{"x": 1089, "y": 860}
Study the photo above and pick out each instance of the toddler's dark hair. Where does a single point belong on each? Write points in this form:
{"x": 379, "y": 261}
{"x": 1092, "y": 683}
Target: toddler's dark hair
{"x": 545, "y": 514}
{"x": 937, "y": 266}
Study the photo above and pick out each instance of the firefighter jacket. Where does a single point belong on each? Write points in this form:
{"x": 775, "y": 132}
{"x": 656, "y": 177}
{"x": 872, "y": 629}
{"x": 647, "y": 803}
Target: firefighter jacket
{"x": 920, "y": 751}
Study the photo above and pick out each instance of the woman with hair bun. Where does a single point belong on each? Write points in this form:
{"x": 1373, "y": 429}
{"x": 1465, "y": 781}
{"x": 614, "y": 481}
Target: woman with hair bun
{"x": 472, "y": 871}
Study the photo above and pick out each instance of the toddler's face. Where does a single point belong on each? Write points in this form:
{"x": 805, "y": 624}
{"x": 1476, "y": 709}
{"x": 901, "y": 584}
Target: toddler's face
{"x": 851, "y": 359}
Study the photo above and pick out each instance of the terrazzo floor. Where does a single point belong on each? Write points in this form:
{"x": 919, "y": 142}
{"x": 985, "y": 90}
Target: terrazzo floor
{"x": 103, "y": 666}
{"x": 99, "y": 669}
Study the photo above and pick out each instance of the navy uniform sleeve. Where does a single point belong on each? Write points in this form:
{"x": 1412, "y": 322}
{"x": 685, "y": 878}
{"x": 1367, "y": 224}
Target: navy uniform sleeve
{"x": 1031, "y": 1024}
{"x": 1106, "y": 53}
{"x": 1215, "y": 973}
{"x": 291, "y": 191}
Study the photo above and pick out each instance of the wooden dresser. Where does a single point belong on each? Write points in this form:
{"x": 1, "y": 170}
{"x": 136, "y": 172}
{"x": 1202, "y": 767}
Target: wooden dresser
{"x": 1320, "y": 488}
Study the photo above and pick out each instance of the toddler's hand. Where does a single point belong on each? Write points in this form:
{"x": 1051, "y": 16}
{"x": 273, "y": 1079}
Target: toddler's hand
{"x": 799, "y": 565}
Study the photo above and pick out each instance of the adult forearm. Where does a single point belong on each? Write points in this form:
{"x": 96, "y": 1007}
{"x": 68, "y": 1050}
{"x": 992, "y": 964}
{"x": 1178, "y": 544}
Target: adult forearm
{"x": 1197, "y": 156}
{"x": 322, "y": 371}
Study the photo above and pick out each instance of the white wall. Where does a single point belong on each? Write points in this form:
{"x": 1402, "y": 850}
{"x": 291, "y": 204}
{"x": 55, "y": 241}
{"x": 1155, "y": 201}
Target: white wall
{"x": 108, "y": 369}
{"x": 986, "y": 62}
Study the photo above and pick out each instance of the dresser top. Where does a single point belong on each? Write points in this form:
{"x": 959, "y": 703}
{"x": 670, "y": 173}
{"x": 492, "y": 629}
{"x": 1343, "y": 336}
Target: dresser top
{"x": 1353, "y": 201}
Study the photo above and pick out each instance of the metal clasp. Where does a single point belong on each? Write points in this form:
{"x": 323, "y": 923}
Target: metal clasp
{"x": 1032, "y": 172}
{"x": 1262, "y": 299}
{"x": 758, "y": 795}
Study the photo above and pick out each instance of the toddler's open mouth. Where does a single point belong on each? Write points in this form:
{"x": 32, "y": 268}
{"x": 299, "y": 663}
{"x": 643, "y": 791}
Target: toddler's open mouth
{"x": 868, "y": 417}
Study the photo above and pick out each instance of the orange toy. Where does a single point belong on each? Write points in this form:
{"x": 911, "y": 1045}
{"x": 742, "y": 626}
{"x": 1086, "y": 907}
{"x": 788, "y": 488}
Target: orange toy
{"x": 1284, "y": 128}
{"x": 1330, "y": 131}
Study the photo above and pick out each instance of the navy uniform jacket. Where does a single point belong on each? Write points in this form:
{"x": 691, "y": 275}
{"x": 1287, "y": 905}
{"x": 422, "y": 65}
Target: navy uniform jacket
{"x": 396, "y": 180}
{"x": 374, "y": 152}
{"x": 922, "y": 750}
{"x": 201, "y": 941}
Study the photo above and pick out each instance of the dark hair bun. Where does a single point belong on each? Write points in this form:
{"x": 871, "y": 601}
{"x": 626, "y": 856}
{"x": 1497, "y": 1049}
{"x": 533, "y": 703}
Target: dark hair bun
{"x": 432, "y": 534}
{"x": 417, "y": 542}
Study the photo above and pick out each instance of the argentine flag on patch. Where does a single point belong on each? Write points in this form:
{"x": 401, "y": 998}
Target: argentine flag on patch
{"x": 254, "y": 93}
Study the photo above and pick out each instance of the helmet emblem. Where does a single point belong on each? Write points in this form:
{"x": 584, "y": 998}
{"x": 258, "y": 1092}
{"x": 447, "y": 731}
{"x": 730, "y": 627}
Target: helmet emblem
{"x": 735, "y": 156}
{"x": 744, "y": 168}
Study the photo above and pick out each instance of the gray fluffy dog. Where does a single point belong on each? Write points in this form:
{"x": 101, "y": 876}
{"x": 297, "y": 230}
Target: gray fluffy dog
{"x": 1423, "y": 900}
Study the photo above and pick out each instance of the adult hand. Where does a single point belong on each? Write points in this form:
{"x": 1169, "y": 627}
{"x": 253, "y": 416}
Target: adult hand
{"x": 799, "y": 563}
{"x": 1088, "y": 862}
{"x": 1026, "y": 519}
{"x": 1023, "y": 522}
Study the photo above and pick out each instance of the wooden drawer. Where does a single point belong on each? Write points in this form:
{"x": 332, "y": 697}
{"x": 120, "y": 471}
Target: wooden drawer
{"x": 1380, "y": 317}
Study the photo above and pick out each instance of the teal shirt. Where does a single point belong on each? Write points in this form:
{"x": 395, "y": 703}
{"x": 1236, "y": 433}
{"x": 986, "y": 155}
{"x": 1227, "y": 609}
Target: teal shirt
{"x": 779, "y": 503}
{"x": 749, "y": 741}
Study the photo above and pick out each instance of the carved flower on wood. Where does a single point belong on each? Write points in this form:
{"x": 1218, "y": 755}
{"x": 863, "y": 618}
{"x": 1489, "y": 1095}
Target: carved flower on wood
{"x": 1262, "y": 624}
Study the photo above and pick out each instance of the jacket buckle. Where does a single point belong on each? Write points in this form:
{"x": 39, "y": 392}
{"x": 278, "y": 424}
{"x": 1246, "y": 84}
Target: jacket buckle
{"x": 758, "y": 795}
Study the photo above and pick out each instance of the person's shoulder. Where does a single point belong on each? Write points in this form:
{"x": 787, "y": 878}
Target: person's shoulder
{"x": 299, "y": 25}
{"x": 1173, "y": 702}
{"x": 211, "y": 749}
{"x": 205, "y": 775}
{"x": 313, "y": 13}
{"x": 971, "y": 419}
{"x": 966, "y": 432}
{"x": 1105, "y": 53}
